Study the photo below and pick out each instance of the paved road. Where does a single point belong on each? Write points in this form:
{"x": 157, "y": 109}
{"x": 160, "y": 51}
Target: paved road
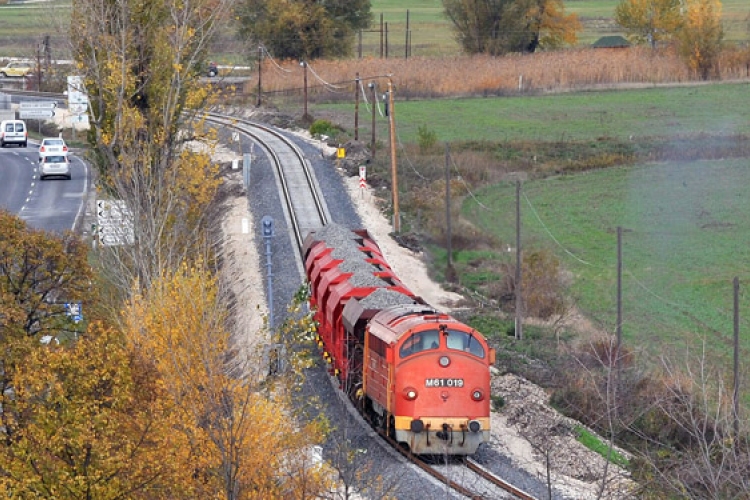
{"x": 53, "y": 204}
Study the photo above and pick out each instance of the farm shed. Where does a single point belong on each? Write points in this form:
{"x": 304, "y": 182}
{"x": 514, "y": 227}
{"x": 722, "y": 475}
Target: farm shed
{"x": 611, "y": 42}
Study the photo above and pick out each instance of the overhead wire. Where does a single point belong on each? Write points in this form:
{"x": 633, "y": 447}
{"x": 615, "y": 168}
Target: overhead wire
{"x": 466, "y": 185}
{"x": 552, "y": 236}
{"x": 408, "y": 160}
{"x": 328, "y": 86}
{"x": 277, "y": 65}
{"x": 364, "y": 95}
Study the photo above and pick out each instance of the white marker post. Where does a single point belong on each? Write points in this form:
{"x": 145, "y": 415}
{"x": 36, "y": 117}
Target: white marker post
{"x": 362, "y": 179}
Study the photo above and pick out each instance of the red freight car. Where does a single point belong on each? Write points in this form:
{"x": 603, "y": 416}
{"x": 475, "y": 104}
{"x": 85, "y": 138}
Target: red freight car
{"x": 416, "y": 372}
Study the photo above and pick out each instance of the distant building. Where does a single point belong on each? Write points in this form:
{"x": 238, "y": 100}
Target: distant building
{"x": 611, "y": 42}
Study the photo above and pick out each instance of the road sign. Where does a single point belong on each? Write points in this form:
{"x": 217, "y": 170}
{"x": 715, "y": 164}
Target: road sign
{"x": 24, "y": 105}
{"x": 74, "y": 310}
{"x": 77, "y": 108}
{"x": 78, "y": 101}
{"x": 36, "y": 113}
{"x": 114, "y": 222}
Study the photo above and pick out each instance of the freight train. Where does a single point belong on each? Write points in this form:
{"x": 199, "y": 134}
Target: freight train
{"x": 416, "y": 373}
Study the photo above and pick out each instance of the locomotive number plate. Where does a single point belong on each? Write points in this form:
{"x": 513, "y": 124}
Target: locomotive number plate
{"x": 444, "y": 382}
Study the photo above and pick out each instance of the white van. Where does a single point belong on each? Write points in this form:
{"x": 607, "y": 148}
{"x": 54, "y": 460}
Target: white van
{"x": 13, "y": 132}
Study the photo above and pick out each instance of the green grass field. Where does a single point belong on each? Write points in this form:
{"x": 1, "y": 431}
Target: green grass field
{"x": 656, "y": 111}
{"x": 23, "y": 27}
{"x": 686, "y": 235}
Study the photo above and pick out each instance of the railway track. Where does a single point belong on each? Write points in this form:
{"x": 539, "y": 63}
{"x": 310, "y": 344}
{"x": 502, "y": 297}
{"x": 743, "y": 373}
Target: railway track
{"x": 306, "y": 210}
{"x": 465, "y": 476}
{"x": 304, "y": 206}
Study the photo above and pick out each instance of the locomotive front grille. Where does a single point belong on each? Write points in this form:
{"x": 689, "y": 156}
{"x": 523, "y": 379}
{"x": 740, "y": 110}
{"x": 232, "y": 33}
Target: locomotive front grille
{"x": 435, "y": 435}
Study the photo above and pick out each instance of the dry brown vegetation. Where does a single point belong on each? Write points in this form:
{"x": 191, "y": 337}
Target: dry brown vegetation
{"x": 486, "y": 75}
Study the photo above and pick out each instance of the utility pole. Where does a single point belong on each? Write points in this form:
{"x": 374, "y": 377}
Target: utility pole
{"x": 736, "y": 392}
{"x": 374, "y": 105}
{"x": 618, "y": 325}
{"x": 406, "y": 41}
{"x": 39, "y": 72}
{"x": 304, "y": 67}
{"x": 260, "y": 67}
{"x": 394, "y": 169}
{"x": 449, "y": 235}
{"x": 356, "y": 107}
{"x": 519, "y": 263}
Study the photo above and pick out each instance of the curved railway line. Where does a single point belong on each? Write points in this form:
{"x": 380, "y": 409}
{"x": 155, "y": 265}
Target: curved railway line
{"x": 306, "y": 210}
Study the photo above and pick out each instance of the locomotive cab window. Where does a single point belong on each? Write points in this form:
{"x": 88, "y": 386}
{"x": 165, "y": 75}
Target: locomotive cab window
{"x": 418, "y": 342}
{"x": 462, "y": 341}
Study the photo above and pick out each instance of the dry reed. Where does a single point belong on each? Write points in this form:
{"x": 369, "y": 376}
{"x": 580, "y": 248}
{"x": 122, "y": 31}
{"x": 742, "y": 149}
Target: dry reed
{"x": 423, "y": 77}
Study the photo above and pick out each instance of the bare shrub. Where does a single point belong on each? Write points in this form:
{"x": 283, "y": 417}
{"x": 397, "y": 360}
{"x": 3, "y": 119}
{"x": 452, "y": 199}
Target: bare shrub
{"x": 543, "y": 287}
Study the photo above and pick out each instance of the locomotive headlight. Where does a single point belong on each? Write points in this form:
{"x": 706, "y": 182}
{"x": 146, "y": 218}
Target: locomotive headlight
{"x": 444, "y": 361}
{"x": 474, "y": 426}
{"x": 477, "y": 395}
{"x": 410, "y": 393}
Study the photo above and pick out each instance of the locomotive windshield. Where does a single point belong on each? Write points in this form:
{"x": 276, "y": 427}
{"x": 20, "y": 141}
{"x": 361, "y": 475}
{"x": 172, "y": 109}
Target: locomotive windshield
{"x": 462, "y": 341}
{"x": 420, "y": 341}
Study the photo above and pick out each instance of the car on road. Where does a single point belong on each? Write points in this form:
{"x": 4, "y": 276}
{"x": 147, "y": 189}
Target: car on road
{"x": 13, "y": 132}
{"x": 54, "y": 165}
{"x": 16, "y": 68}
{"x": 52, "y": 146}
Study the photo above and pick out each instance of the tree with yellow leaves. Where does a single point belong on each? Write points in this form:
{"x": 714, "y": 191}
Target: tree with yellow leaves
{"x": 39, "y": 273}
{"x": 701, "y": 36}
{"x": 80, "y": 417}
{"x": 141, "y": 62}
{"x": 250, "y": 443}
{"x": 649, "y": 21}
{"x": 84, "y": 420}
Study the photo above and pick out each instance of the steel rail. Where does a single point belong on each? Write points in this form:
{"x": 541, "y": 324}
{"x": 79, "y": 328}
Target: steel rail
{"x": 496, "y": 480}
{"x": 302, "y": 199}
{"x": 470, "y": 464}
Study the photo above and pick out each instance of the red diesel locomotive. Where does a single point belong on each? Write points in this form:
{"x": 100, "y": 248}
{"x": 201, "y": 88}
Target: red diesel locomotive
{"x": 416, "y": 372}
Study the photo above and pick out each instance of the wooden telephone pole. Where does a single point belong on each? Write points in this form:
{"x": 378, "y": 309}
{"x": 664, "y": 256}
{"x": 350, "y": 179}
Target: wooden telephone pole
{"x": 394, "y": 169}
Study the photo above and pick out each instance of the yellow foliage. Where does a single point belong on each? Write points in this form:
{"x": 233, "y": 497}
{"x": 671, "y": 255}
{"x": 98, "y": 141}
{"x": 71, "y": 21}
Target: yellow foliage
{"x": 82, "y": 428}
{"x": 701, "y": 36}
{"x": 178, "y": 323}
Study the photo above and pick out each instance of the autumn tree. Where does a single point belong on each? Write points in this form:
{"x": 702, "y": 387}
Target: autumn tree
{"x": 302, "y": 29}
{"x": 140, "y": 63}
{"x": 39, "y": 273}
{"x": 649, "y": 21}
{"x": 85, "y": 420}
{"x": 701, "y": 36}
{"x": 500, "y": 26}
{"x": 250, "y": 443}
{"x": 79, "y": 417}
